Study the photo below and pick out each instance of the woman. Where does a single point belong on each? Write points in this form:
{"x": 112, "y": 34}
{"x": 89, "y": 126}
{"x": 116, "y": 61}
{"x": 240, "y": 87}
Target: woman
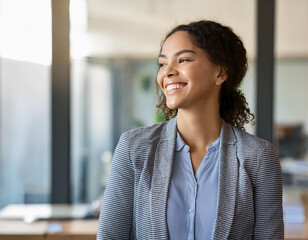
{"x": 198, "y": 175}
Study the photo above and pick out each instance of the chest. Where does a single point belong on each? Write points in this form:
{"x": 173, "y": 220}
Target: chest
{"x": 196, "y": 157}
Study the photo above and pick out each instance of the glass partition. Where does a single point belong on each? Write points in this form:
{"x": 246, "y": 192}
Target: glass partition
{"x": 291, "y": 84}
{"x": 114, "y": 47}
{"x": 25, "y": 58}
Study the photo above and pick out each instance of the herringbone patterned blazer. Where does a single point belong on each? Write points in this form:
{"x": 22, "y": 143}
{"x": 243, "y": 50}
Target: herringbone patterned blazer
{"x": 249, "y": 195}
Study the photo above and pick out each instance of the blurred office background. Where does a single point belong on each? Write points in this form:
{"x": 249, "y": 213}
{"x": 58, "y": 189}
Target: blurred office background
{"x": 113, "y": 49}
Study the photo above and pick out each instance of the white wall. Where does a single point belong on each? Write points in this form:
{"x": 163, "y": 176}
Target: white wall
{"x": 25, "y": 130}
{"x": 136, "y": 27}
{"x": 291, "y": 92}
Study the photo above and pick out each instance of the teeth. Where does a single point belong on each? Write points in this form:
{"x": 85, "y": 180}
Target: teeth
{"x": 174, "y": 86}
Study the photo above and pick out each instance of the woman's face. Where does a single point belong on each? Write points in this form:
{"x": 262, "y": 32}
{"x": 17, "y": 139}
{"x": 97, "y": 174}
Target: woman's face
{"x": 186, "y": 75}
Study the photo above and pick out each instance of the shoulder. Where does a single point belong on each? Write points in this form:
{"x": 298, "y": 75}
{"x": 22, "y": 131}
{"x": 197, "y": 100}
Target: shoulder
{"x": 257, "y": 156}
{"x": 248, "y": 142}
{"x": 254, "y": 152}
{"x": 140, "y": 143}
{"x": 148, "y": 134}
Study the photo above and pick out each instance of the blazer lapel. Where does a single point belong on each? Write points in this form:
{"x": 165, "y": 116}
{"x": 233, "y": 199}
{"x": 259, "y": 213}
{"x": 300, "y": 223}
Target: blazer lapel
{"x": 228, "y": 180}
{"x": 161, "y": 180}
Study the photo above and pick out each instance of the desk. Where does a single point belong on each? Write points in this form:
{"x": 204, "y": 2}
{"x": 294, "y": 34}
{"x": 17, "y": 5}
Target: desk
{"x": 87, "y": 229}
{"x": 15, "y": 230}
{"x": 46, "y": 221}
{"x": 297, "y": 197}
{"x": 296, "y": 231}
{"x": 71, "y": 230}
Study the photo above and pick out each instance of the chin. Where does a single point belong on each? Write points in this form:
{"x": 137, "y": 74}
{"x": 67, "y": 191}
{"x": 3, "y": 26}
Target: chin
{"x": 172, "y": 106}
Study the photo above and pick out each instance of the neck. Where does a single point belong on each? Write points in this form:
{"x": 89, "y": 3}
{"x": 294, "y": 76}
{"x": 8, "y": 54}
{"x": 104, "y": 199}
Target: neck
{"x": 199, "y": 128}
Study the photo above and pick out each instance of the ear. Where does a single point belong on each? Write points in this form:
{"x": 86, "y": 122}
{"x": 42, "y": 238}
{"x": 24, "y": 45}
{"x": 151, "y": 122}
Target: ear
{"x": 221, "y": 76}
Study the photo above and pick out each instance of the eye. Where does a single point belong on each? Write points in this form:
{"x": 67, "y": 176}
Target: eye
{"x": 184, "y": 60}
{"x": 161, "y": 64}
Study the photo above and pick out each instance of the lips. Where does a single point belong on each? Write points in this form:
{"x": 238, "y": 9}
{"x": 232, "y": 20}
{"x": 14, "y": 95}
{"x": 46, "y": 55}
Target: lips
{"x": 174, "y": 87}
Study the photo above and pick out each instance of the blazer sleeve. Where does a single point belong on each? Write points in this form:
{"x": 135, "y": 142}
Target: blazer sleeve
{"x": 116, "y": 214}
{"x": 268, "y": 197}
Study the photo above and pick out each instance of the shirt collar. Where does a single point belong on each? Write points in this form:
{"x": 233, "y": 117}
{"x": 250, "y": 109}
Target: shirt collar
{"x": 214, "y": 146}
{"x": 180, "y": 143}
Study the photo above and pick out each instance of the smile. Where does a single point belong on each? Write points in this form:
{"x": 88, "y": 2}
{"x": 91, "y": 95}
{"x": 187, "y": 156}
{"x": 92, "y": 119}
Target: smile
{"x": 172, "y": 88}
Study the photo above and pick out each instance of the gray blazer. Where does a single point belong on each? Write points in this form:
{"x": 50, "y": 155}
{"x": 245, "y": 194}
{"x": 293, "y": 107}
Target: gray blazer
{"x": 249, "y": 194}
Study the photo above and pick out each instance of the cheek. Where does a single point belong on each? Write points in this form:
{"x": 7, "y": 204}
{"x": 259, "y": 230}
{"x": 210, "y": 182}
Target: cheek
{"x": 191, "y": 74}
{"x": 159, "y": 79}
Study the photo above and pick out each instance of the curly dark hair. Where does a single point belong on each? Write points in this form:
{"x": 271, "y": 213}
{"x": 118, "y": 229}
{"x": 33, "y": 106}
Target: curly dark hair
{"x": 224, "y": 48}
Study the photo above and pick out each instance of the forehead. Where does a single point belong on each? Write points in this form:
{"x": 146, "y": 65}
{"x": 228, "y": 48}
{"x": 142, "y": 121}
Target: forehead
{"x": 178, "y": 41}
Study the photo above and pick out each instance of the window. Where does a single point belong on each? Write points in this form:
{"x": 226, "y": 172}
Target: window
{"x": 25, "y": 58}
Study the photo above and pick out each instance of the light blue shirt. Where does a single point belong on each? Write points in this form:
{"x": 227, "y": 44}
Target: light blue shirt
{"x": 192, "y": 200}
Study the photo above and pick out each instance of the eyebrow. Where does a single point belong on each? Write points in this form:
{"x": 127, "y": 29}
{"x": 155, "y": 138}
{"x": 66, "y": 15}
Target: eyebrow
{"x": 178, "y": 53}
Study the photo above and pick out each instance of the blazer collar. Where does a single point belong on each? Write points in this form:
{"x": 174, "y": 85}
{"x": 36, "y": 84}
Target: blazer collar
{"x": 228, "y": 181}
{"x": 163, "y": 160}
{"x": 227, "y": 187}
{"x": 227, "y": 133}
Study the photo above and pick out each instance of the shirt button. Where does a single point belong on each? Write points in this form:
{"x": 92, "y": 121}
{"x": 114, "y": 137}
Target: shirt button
{"x": 191, "y": 210}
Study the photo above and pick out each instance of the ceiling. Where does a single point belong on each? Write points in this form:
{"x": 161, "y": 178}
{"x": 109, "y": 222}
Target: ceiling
{"x": 136, "y": 27}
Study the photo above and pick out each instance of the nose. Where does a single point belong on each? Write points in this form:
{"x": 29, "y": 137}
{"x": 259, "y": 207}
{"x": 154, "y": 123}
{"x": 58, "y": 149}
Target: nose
{"x": 170, "y": 71}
